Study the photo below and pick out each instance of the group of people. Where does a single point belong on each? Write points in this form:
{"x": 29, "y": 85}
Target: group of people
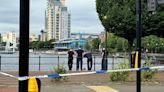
{"x": 79, "y": 55}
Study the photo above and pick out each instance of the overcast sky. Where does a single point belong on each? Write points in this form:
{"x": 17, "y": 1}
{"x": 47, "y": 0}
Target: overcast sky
{"x": 83, "y": 16}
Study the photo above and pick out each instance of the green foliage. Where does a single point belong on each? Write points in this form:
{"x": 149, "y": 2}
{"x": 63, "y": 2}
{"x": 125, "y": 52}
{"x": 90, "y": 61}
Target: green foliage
{"x": 60, "y": 70}
{"x": 115, "y": 43}
{"x": 121, "y": 76}
{"x": 147, "y": 75}
{"x": 119, "y": 17}
{"x": 76, "y": 44}
{"x": 152, "y": 43}
{"x": 41, "y": 45}
{"x": 95, "y": 44}
{"x": 87, "y": 46}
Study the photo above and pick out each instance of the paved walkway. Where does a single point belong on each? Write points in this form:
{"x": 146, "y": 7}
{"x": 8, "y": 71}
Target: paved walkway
{"x": 95, "y": 88}
{"x": 86, "y": 83}
{"x": 100, "y": 88}
{"x": 9, "y": 88}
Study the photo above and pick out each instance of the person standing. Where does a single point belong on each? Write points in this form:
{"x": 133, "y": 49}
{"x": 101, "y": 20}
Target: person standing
{"x": 79, "y": 59}
{"x": 88, "y": 55}
{"x": 104, "y": 59}
{"x": 70, "y": 59}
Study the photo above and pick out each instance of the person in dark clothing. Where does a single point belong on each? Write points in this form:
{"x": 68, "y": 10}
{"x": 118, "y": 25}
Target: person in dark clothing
{"x": 79, "y": 59}
{"x": 88, "y": 55}
{"x": 70, "y": 59}
{"x": 104, "y": 59}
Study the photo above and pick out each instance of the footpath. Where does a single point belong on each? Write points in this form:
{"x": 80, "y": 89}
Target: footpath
{"x": 85, "y": 83}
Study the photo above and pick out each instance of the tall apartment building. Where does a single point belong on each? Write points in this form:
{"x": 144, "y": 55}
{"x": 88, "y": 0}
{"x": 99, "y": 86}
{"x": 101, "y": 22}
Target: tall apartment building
{"x": 57, "y": 20}
{"x": 10, "y": 37}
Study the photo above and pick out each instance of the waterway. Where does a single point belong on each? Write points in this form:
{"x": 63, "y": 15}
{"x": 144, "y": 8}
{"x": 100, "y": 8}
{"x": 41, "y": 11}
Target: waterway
{"x": 46, "y": 62}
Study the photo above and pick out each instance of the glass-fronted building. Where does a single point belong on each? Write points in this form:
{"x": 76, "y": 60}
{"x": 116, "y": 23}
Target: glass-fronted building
{"x": 69, "y": 43}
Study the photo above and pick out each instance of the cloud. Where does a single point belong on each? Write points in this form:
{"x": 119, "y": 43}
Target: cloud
{"x": 9, "y": 10}
{"x": 37, "y": 11}
{"x": 4, "y": 28}
{"x": 83, "y": 15}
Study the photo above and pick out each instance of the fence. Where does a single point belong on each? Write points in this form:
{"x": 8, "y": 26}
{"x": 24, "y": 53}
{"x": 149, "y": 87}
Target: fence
{"x": 46, "y": 63}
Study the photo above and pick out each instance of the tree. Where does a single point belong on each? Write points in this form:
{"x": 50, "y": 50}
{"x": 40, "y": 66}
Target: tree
{"x": 41, "y": 44}
{"x": 152, "y": 43}
{"x": 95, "y": 44}
{"x": 115, "y": 43}
{"x": 87, "y": 46}
{"x": 154, "y": 24}
{"x": 119, "y": 17}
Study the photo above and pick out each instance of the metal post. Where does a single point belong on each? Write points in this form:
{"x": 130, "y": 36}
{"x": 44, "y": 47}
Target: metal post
{"x": 24, "y": 44}
{"x": 112, "y": 62}
{"x": 39, "y": 62}
{"x": 58, "y": 62}
{"x": 138, "y": 36}
{"x": 106, "y": 53}
{"x": 94, "y": 63}
{"x": 0, "y": 63}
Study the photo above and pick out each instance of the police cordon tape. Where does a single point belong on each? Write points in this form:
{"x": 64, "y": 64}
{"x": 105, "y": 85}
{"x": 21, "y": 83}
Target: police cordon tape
{"x": 82, "y": 73}
{"x": 9, "y": 75}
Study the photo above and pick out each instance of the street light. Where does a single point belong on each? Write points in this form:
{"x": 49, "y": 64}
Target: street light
{"x": 105, "y": 62}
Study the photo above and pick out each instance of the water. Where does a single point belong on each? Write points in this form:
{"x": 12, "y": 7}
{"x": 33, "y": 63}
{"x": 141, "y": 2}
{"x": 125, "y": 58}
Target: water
{"x": 10, "y": 62}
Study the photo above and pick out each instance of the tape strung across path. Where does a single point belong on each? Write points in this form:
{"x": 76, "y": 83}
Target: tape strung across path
{"x": 82, "y": 73}
{"x": 6, "y": 74}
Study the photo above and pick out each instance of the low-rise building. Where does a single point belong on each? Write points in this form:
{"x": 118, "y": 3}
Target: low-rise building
{"x": 10, "y": 37}
{"x": 69, "y": 43}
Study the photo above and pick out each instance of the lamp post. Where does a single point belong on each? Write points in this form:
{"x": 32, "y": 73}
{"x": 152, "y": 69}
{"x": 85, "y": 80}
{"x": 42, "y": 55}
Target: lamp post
{"x": 106, "y": 52}
{"x": 105, "y": 62}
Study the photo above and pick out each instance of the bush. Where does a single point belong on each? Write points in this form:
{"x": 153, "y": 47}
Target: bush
{"x": 60, "y": 70}
{"x": 121, "y": 76}
{"x": 147, "y": 75}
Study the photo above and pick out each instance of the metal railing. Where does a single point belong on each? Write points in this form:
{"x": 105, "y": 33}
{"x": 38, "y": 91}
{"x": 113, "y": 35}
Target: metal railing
{"x": 46, "y": 63}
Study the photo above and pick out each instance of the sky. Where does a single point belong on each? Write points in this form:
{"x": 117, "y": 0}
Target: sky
{"x": 84, "y": 17}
